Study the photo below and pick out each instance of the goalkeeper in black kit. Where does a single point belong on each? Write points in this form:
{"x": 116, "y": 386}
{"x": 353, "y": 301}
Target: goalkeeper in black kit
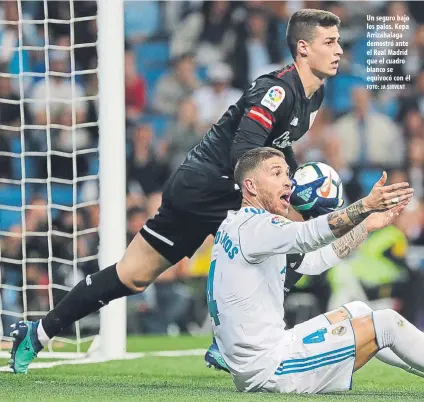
{"x": 276, "y": 110}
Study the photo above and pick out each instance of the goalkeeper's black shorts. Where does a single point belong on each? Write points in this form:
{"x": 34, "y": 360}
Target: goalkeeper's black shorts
{"x": 194, "y": 204}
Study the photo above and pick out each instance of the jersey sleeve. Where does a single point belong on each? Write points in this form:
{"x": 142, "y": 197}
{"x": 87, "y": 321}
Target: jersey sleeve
{"x": 266, "y": 102}
{"x": 262, "y": 236}
{"x": 318, "y": 261}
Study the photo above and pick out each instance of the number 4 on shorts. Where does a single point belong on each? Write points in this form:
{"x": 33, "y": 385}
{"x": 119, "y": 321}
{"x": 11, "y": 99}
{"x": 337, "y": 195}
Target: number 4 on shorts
{"x": 315, "y": 337}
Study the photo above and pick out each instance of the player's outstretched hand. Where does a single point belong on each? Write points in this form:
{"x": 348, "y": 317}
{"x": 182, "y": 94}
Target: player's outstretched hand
{"x": 382, "y": 198}
{"x": 378, "y": 220}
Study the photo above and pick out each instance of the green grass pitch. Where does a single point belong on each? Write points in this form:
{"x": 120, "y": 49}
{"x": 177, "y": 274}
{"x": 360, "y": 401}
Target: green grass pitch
{"x": 183, "y": 379}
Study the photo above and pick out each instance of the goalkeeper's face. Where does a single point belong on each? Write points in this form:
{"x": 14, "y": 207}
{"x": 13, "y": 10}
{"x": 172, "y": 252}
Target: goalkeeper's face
{"x": 323, "y": 53}
{"x": 273, "y": 186}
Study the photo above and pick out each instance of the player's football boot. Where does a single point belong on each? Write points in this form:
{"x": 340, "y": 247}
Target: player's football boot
{"x": 25, "y": 345}
{"x": 213, "y": 358}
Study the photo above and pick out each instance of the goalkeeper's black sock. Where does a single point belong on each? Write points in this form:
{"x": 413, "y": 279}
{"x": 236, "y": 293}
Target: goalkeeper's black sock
{"x": 88, "y": 296}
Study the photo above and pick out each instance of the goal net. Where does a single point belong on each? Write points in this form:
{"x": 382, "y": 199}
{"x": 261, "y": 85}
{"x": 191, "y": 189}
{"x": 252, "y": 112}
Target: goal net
{"x": 49, "y": 158}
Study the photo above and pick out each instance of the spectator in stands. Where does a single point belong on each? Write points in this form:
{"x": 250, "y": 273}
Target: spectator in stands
{"x": 10, "y": 115}
{"x": 395, "y": 9}
{"x": 214, "y": 99}
{"x": 84, "y": 31}
{"x": 350, "y": 30}
{"x": 331, "y": 147}
{"x": 58, "y": 10}
{"x": 9, "y": 42}
{"x": 349, "y": 76}
{"x": 89, "y": 242}
{"x": 185, "y": 133}
{"x": 416, "y": 100}
{"x": 57, "y": 93}
{"x": 180, "y": 83}
{"x": 136, "y": 218}
{"x": 214, "y": 35}
{"x": 416, "y": 165}
{"x": 67, "y": 140}
{"x": 92, "y": 89}
{"x": 144, "y": 168}
{"x": 413, "y": 123}
{"x": 172, "y": 298}
{"x": 142, "y": 20}
{"x": 207, "y": 32}
{"x": 401, "y": 8}
{"x": 36, "y": 220}
{"x": 368, "y": 137}
{"x": 135, "y": 88}
{"x": 255, "y": 46}
{"x": 176, "y": 11}
{"x": 415, "y": 57}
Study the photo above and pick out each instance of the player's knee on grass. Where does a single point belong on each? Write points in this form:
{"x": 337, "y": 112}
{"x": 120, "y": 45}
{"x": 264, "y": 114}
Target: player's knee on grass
{"x": 365, "y": 339}
{"x": 140, "y": 265}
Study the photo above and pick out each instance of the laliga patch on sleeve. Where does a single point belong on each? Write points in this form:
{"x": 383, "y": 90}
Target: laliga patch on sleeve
{"x": 278, "y": 220}
{"x": 273, "y": 98}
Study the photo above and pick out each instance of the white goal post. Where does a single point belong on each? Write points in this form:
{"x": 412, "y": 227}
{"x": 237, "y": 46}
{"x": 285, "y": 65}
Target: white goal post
{"x": 113, "y": 322}
{"x": 111, "y": 175}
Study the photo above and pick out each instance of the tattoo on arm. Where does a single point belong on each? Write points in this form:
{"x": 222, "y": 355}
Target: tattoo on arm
{"x": 350, "y": 241}
{"x": 343, "y": 221}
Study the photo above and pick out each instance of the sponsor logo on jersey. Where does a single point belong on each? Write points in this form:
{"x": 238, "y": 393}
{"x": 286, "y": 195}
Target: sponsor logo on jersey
{"x": 277, "y": 220}
{"x": 283, "y": 141}
{"x": 224, "y": 240}
{"x": 264, "y": 118}
{"x": 273, "y": 98}
{"x": 294, "y": 122}
{"x": 305, "y": 194}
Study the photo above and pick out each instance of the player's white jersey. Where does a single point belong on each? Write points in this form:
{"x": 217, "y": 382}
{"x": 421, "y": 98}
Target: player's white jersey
{"x": 246, "y": 287}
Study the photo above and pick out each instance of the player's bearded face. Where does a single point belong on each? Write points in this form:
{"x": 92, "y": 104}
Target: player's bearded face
{"x": 274, "y": 186}
{"x": 324, "y": 52}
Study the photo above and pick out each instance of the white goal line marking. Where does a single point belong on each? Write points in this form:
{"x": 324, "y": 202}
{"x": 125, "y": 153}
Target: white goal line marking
{"x": 91, "y": 359}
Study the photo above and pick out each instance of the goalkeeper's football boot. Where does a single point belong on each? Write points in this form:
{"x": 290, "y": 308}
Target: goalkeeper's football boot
{"x": 213, "y": 358}
{"x": 25, "y": 345}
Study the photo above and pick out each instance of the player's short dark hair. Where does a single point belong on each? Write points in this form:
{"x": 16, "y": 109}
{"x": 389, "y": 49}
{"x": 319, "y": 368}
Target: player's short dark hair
{"x": 251, "y": 160}
{"x": 302, "y": 26}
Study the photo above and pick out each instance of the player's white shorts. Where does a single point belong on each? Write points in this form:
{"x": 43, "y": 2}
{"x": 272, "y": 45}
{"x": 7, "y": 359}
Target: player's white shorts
{"x": 320, "y": 360}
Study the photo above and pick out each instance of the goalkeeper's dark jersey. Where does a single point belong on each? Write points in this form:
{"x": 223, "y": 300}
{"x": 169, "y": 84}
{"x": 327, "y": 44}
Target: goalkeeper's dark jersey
{"x": 273, "y": 112}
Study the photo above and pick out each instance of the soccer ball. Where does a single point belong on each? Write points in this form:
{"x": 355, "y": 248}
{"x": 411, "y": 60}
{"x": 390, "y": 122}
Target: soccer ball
{"x": 309, "y": 172}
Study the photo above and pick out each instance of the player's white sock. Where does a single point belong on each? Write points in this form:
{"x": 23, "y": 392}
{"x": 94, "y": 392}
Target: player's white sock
{"x": 397, "y": 333}
{"x": 42, "y": 336}
{"x": 359, "y": 309}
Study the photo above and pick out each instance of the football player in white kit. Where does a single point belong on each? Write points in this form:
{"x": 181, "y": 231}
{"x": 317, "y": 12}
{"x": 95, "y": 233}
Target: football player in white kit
{"x": 245, "y": 288}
